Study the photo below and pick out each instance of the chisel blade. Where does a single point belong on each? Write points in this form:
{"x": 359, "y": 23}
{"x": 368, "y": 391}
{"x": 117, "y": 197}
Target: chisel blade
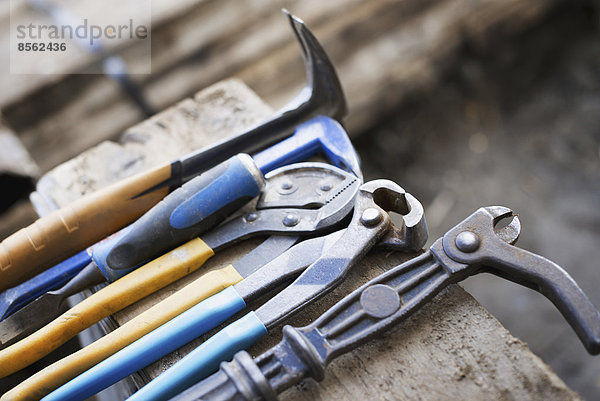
{"x": 27, "y": 320}
{"x": 47, "y": 307}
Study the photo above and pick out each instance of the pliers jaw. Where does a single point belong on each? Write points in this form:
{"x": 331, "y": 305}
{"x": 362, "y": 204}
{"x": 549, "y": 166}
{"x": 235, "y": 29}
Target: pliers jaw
{"x": 303, "y": 199}
{"x": 480, "y": 244}
{"x": 481, "y": 236}
{"x": 411, "y": 235}
{"x": 370, "y": 222}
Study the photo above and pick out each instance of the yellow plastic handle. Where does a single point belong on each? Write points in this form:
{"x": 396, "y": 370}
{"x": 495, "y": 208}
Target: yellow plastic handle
{"x": 59, "y": 373}
{"x": 131, "y": 288}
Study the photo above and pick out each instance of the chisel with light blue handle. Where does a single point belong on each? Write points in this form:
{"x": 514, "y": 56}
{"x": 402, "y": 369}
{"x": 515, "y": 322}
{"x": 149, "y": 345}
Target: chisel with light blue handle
{"x": 167, "y": 338}
{"x": 204, "y": 360}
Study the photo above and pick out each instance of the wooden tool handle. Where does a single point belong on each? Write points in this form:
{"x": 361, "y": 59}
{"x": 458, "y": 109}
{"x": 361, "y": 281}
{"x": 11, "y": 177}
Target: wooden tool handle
{"x": 78, "y": 225}
{"x": 59, "y": 373}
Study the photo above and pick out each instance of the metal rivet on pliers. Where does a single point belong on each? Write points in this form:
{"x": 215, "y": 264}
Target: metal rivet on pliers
{"x": 291, "y": 220}
{"x": 251, "y": 217}
{"x": 467, "y": 241}
{"x": 370, "y": 217}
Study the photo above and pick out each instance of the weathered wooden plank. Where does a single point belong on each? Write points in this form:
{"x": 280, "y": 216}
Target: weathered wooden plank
{"x": 168, "y": 135}
{"x": 452, "y": 349}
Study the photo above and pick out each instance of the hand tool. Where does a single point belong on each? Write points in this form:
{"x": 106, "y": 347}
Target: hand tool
{"x": 186, "y": 213}
{"x": 475, "y": 245}
{"x": 299, "y": 210}
{"x": 13, "y": 299}
{"x": 205, "y": 200}
{"x": 369, "y": 224}
{"x": 84, "y": 222}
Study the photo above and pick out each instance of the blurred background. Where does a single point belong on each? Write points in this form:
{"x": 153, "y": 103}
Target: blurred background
{"x": 464, "y": 103}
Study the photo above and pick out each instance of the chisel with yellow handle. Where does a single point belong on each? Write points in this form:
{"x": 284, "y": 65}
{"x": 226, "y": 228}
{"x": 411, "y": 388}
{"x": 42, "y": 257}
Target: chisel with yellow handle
{"x": 289, "y": 205}
{"x": 63, "y": 233}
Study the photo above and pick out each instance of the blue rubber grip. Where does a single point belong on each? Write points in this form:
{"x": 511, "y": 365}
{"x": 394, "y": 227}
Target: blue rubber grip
{"x": 186, "y": 213}
{"x": 167, "y": 338}
{"x": 100, "y": 252}
{"x": 13, "y": 299}
{"x": 204, "y": 360}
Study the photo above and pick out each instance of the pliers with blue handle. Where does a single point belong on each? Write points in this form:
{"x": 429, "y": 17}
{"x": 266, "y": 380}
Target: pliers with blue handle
{"x": 370, "y": 223}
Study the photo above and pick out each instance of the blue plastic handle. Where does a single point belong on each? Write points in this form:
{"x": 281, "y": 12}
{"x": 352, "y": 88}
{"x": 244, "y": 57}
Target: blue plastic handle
{"x": 191, "y": 210}
{"x": 167, "y": 338}
{"x": 204, "y": 360}
{"x": 13, "y": 299}
{"x": 317, "y": 134}
{"x": 101, "y": 250}
{"x": 215, "y": 191}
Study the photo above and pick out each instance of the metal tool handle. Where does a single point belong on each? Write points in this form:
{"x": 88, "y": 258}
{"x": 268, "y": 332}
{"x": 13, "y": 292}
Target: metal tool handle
{"x": 61, "y": 234}
{"x": 189, "y": 211}
{"x": 305, "y": 351}
{"x": 13, "y": 299}
{"x": 238, "y": 380}
{"x": 167, "y": 338}
{"x": 60, "y": 372}
{"x": 375, "y": 306}
{"x": 112, "y": 298}
{"x": 548, "y": 278}
{"x": 203, "y": 360}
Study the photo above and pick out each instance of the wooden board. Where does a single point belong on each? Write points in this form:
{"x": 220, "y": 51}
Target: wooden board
{"x": 451, "y": 349}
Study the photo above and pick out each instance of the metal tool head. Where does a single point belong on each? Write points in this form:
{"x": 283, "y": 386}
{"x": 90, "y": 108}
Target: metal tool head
{"x": 480, "y": 243}
{"x": 323, "y": 92}
{"x": 411, "y": 234}
{"x": 483, "y": 235}
{"x": 370, "y": 222}
{"x": 322, "y": 96}
{"x": 299, "y": 199}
